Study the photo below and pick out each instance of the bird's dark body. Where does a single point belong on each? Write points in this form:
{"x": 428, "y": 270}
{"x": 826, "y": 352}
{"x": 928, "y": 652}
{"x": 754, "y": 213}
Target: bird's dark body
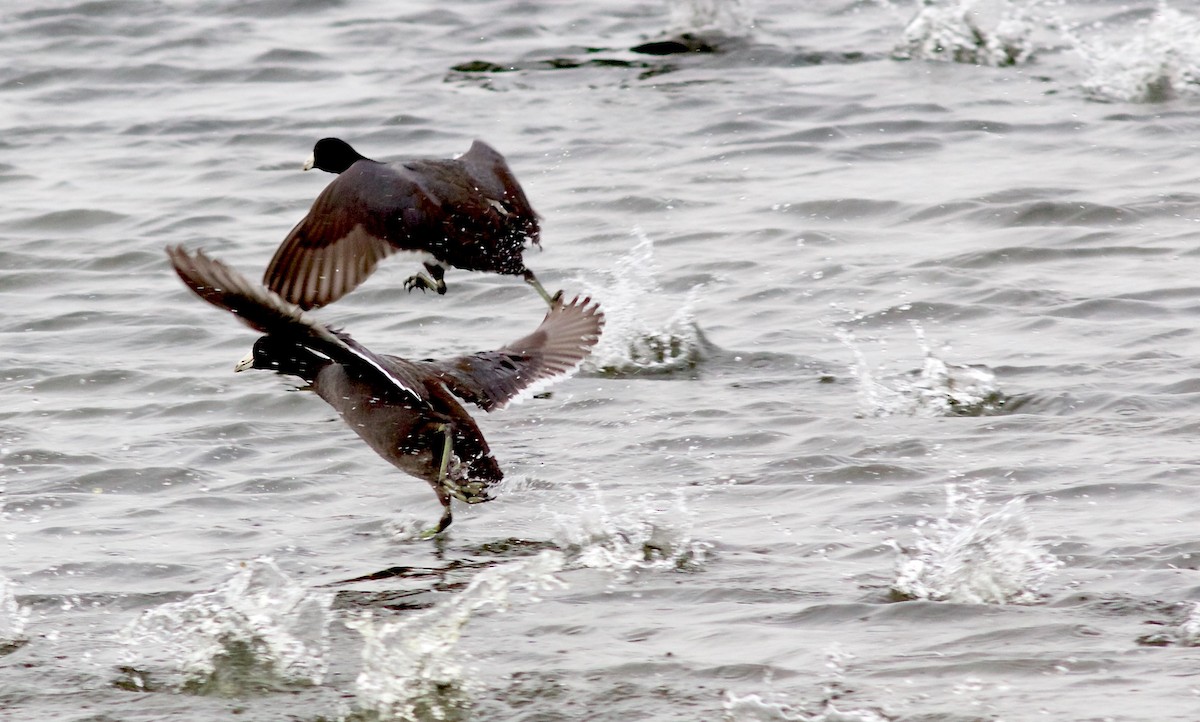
{"x": 406, "y": 411}
{"x": 408, "y": 434}
{"x": 463, "y": 220}
{"x": 469, "y": 213}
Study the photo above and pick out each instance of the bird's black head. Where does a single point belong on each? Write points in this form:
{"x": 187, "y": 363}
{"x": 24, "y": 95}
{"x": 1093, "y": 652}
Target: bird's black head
{"x": 333, "y": 155}
{"x": 271, "y": 353}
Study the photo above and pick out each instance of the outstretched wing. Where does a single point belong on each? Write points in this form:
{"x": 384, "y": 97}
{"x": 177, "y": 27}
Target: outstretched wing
{"x": 490, "y": 379}
{"x": 264, "y": 311}
{"x": 346, "y": 233}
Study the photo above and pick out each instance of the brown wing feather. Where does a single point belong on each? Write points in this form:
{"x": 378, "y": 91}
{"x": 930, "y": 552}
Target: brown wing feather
{"x": 338, "y": 244}
{"x": 490, "y": 170}
{"x": 490, "y": 379}
{"x": 266, "y": 312}
{"x": 470, "y": 213}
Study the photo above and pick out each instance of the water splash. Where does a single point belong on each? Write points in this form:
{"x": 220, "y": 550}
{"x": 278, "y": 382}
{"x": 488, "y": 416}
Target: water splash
{"x": 1160, "y": 62}
{"x": 696, "y": 16}
{"x": 1189, "y": 632}
{"x": 255, "y": 631}
{"x": 648, "y": 534}
{"x": 969, "y": 556}
{"x": 954, "y": 31}
{"x": 936, "y": 389}
{"x": 411, "y": 670}
{"x": 631, "y": 343}
{"x": 13, "y": 617}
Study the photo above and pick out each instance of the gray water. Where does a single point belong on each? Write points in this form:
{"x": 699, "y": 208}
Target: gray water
{"x": 894, "y": 417}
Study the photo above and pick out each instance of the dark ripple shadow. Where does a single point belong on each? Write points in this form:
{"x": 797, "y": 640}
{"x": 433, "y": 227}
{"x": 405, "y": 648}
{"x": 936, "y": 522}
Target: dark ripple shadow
{"x": 657, "y": 57}
{"x": 72, "y": 220}
{"x": 1032, "y": 255}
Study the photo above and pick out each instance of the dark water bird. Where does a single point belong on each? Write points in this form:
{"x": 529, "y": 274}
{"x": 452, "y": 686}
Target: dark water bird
{"x": 468, "y": 212}
{"x": 405, "y": 410}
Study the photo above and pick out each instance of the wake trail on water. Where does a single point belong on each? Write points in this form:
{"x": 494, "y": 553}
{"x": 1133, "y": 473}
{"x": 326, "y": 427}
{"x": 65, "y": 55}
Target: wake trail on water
{"x": 261, "y": 632}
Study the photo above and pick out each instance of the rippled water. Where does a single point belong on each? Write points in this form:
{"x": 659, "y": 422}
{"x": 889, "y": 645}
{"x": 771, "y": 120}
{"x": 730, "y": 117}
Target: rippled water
{"x": 894, "y": 418}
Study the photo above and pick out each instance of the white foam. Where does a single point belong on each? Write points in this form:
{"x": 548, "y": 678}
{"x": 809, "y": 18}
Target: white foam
{"x": 775, "y": 707}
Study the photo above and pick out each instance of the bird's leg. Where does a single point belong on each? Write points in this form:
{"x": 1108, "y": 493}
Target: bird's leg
{"x": 443, "y": 482}
{"x": 537, "y": 286}
{"x": 431, "y": 282}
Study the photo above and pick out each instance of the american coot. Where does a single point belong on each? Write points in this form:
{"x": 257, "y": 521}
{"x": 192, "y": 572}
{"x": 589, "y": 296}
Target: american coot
{"x": 469, "y": 213}
{"x": 404, "y": 410}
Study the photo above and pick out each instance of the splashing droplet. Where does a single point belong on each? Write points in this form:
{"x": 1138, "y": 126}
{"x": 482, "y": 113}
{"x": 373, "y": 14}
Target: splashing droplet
{"x": 969, "y": 556}
{"x": 410, "y": 667}
{"x": 633, "y": 344}
{"x": 1160, "y": 62}
{"x": 13, "y": 617}
{"x": 954, "y": 31}
{"x": 259, "y": 630}
{"x": 936, "y": 389}
{"x": 647, "y": 535}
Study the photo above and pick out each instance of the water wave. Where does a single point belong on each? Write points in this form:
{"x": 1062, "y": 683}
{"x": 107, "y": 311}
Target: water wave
{"x": 259, "y": 630}
{"x": 411, "y": 669}
{"x": 775, "y": 707}
{"x": 974, "y": 556}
